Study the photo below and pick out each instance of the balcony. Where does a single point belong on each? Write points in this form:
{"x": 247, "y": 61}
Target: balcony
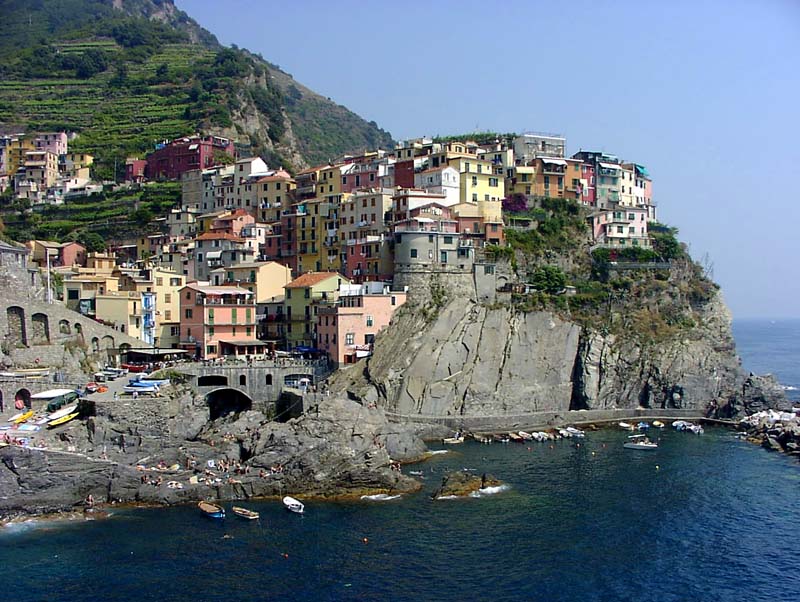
{"x": 244, "y": 322}
{"x": 223, "y": 301}
{"x": 608, "y": 172}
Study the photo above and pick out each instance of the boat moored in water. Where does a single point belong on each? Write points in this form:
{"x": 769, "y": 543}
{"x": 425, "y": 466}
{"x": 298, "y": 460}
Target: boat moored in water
{"x": 640, "y": 442}
{"x": 211, "y": 510}
{"x": 294, "y": 505}
{"x": 245, "y": 513}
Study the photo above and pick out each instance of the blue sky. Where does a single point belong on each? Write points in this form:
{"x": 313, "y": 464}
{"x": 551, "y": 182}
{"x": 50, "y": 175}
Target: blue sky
{"x": 706, "y": 94}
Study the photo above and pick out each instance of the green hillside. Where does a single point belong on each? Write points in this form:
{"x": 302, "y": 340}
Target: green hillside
{"x": 126, "y": 80}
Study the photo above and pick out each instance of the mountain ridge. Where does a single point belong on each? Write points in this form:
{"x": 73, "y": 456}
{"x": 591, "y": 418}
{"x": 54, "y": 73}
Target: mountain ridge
{"x": 127, "y": 74}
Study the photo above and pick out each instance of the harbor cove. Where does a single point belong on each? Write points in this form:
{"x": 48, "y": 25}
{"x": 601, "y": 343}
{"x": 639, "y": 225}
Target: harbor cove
{"x": 254, "y": 346}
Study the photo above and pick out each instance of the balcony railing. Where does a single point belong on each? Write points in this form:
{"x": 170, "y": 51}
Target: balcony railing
{"x": 218, "y": 301}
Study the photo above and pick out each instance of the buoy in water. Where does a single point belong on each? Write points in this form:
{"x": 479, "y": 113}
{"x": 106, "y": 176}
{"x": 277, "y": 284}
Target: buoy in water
{"x": 365, "y": 540}
{"x": 658, "y": 467}
{"x": 285, "y": 555}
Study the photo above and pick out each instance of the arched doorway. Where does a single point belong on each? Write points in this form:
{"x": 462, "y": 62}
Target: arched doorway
{"x": 95, "y": 345}
{"x": 22, "y": 399}
{"x": 107, "y": 342}
{"x": 40, "y": 329}
{"x": 212, "y": 380}
{"x": 223, "y": 402}
{"x": 63, "y": 327}
{"x": 242, "y": 380}
{"x": 15, "y": 317}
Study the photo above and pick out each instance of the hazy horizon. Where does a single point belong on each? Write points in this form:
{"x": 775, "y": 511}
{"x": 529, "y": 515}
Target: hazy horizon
{"x": 702, "y": 93}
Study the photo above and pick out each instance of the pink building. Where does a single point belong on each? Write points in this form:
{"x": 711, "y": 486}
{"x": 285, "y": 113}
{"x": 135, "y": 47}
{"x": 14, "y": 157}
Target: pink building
{"x": 54, "y": 142}
{"x": 347, "y": 329}
{"x": 218, "y": 320}
{"x": 233, "y": 223}
{"x": 72, "y": 253}
{"x": 620, "y": 226}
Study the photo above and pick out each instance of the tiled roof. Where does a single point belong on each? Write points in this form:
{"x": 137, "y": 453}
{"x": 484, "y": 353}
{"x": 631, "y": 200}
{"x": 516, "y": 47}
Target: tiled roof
{"x": 219, "y": 236}
{"x": 311, "y": 279}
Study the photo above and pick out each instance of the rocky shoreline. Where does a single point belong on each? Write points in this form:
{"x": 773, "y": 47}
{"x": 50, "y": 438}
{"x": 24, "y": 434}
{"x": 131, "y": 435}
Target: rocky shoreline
{"x": 774, "y": 430}
{"x": 169, "y": 452}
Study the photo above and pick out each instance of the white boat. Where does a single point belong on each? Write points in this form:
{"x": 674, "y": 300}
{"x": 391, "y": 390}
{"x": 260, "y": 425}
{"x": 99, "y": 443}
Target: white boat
{"x": 575, "y": 432}
{"x": 140, "y": 390}
{"x": 680, "y": 424}
{"x": 293, "y": 505}
{"x": 62, "y": 412}
{"x": 525, "y": 436}
{"x": 640, "y": 442}
{"x": 627, "y": 426}
{"x": 695, "y": 428}
{"x": 457, "y": 438}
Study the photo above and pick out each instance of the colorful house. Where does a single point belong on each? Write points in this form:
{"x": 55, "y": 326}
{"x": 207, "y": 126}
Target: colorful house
{"x": 304, "y": 296}
{"x": 218, "y": 321}
{"x": 346, "y": 329}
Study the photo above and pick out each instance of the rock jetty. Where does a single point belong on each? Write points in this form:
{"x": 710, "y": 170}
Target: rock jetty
{"x": 775, "y": 430}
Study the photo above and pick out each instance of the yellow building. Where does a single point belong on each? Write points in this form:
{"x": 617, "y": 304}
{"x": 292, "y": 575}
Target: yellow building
{"x": 478, "y": 180}
{"x": 316, "y": 232}
{"x": 75, "y": 165}
{"x": 121, "y": 310}
{"x": 81, "y": 290}
{"x": 16, "y": 151}
{"x": 270, "y": 194}
{"x": 265, "y": 279}
{"x": 304, "y": 296}
{"x": 330, "y": 180}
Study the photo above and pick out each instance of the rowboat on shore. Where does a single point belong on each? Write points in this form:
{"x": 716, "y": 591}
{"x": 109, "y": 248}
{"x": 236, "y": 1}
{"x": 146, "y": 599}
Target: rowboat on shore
{"x": 63, "y": 420}
{"x": 515, "y": 437}
{"x": 245, "y": 513}
{"x": 293, "y": 505}
{"x": 211, "y": 510}
{"x": 65, "y": 411}
{"x": 20, "y": 418}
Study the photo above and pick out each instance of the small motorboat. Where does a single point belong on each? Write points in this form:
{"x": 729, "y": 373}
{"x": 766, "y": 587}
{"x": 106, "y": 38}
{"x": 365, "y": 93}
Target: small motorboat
{"x": 294, "y": 505}
{"x": 211, "y": 510}
{"x": 695, "y": 428}
{"x": 680, "y": 425}
{"x": 627, "y": 426}
{"x": 640, "y": 442}
{"x": 516, "y": 437}
{"x": 62, "y": 420}
{"x": 643, "y": 426}
{"x": 574, "y": 432}
{"x": 457, "y": 438}
{"x": 525, "y": 435}
{"x": 245, "y": 513}
{"x": 658, "y": 424}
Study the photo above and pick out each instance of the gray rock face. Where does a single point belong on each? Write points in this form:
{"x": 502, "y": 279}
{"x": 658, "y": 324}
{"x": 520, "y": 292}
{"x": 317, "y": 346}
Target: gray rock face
{"x": 479, "y": 361}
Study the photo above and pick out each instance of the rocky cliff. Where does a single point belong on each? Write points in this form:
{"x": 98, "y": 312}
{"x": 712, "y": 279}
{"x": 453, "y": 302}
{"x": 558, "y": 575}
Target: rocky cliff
{"x": 476, "y": 360}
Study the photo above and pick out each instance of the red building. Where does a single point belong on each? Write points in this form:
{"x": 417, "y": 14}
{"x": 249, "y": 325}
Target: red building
{"x": 173, "y": 158}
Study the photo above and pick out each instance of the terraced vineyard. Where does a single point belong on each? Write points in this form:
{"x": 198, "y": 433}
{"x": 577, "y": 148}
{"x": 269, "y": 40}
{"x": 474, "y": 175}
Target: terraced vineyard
{"x": 114, "y": 120}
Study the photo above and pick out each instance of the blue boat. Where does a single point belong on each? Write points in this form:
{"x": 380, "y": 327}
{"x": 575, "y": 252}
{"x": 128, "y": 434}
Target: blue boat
{"x": 211, "y": 510}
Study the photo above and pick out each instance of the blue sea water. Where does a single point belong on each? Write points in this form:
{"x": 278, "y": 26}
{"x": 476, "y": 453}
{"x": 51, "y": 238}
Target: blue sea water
{"x": 702, "y": 518}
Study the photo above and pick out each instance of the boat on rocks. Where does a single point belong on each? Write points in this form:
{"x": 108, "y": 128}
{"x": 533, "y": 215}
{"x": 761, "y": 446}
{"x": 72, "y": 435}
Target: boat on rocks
{"x": 640, "y": 442}
{"x": 245, "y": 513}
{"x": 211, "y": 510}
{"x": 293, "y": 505}
{"x": 516, "y": 437}
{"x": 575, "y": 432}
{"x": 63, "y": 420}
